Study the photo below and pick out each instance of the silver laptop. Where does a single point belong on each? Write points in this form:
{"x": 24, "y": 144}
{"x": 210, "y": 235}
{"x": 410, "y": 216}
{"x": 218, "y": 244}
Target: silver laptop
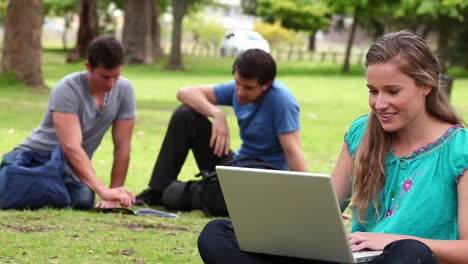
{"x": 287, "y": 213}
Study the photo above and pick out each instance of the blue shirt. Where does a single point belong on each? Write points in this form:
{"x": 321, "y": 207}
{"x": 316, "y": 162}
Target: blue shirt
{"x": 260, "y": 122}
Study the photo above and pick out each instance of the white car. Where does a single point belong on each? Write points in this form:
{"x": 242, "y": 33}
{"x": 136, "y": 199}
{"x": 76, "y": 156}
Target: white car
{"x": 237, "y": 41}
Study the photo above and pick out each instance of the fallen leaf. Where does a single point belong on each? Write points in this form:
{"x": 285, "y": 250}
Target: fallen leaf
{"x": 127, "y": 251}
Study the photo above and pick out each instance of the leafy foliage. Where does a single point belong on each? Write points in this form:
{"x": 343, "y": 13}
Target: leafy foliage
{"x": 249, "y": 7}
{"x": 3, "y": 9}
{"x": 59, "y": 8}
{"x": 448, "y": 19}
{"x": 107, "y": 21}
{"x": 305, "y": 15}
{"x": 206, "y": 29}
{"x": 275, "y": 33}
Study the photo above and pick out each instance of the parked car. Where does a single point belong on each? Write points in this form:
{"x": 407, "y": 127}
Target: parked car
{"x": 237, "y": 41}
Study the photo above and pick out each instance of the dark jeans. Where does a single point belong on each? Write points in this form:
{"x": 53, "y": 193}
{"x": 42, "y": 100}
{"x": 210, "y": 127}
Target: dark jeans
{"x": 187, "y": 130}
{"x": 82, "y": 196}
{"x": 217, "y": 244}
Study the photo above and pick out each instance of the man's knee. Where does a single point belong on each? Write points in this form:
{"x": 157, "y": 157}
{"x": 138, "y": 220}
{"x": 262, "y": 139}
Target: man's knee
{"x": 184, "y": 112}
{"x": 82, "y": 196}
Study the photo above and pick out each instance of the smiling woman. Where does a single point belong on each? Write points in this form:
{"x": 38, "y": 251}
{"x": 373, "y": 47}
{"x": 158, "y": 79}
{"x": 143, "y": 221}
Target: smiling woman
{"x": 407, "y": 160}
{"x": 395, "y": 98}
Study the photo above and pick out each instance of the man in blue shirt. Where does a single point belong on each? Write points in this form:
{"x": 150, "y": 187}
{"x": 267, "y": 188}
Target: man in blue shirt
{"x": 267, "y": 114}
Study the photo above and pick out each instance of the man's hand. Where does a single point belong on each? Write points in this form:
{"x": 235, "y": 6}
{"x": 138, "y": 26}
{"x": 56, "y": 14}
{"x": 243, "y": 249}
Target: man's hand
{"x": 220, "y": 140}
{"x": 119, "y": 194}
{"x": 106, "y": 204}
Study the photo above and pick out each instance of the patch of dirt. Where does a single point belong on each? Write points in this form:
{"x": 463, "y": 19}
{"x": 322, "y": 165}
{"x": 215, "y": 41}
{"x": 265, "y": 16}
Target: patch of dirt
{"x": 25, "y": 229}
{"x": 134, "y": 226}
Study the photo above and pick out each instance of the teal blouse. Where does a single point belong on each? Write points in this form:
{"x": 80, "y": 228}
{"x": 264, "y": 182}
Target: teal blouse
{"x": 419, "y": 197}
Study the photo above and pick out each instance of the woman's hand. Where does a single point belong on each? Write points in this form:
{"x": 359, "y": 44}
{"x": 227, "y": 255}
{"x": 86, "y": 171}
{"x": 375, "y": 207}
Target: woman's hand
{"x": 371, "y": 240}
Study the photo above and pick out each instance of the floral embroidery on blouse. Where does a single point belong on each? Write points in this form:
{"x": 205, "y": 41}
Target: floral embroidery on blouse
{"x": 403, "y": 188}
{"x": 407, "y": 184}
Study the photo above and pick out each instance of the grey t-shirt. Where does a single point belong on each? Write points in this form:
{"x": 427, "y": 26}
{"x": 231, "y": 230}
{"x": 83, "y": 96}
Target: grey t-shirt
{"x": 72, "y": 95}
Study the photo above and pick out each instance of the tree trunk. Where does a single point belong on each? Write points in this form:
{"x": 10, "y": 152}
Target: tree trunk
{"x": 350, "y": 41}
{"x": 442, "y": 47}
{"x": 158, "y": 52}
{"x": 148, "y": 31}
{"x": 68, "y": 18}
{"x": 179, "y": 8}
{"x": 137, "y": 32}
{"x": 22, "y": 48}
{"x": 379, "y": 28}
{"x": 87, "y": 30}
{"x": 311, "y": 46}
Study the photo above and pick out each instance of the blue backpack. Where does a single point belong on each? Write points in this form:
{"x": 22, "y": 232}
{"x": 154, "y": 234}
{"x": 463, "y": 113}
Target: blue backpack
{"x": 34, "y": 179}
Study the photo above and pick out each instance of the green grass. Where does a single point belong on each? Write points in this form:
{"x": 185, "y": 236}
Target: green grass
{"x": 329, "y": 101}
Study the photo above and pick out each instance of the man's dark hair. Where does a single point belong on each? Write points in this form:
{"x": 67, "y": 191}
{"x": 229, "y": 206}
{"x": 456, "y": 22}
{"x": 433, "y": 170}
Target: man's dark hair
{"x": 255, "y": 64}
{"x": 105, "y": 51}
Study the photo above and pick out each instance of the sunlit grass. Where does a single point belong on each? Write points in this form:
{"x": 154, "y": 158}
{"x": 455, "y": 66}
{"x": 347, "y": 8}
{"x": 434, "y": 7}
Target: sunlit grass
{"x": 329, "y": 101}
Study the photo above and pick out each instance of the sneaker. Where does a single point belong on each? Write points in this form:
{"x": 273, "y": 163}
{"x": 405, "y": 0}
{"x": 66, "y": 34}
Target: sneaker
{"x": 148, "y": 197}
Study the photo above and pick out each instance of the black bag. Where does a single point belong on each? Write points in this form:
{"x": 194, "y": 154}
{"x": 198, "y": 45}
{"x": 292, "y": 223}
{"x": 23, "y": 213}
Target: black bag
{"x": 205, "y": 194}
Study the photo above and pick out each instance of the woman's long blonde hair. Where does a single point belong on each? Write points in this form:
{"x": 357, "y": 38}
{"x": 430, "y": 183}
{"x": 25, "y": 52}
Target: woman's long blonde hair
{"x": 413, "y": 57}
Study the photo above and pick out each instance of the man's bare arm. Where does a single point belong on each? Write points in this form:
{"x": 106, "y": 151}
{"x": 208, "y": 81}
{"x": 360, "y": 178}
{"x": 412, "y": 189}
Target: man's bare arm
{"x": 203, "y": 100}
{"x": 291, "y": 145}
{"x": 69, "y": 132}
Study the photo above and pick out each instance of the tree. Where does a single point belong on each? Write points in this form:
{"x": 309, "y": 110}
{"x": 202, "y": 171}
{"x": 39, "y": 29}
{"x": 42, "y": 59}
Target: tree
{"x": 457, "y": 52}
{"x": 362, "y": 11}
{"x": 207, "y": 31}
{"x": 137, "y": 30}
{"x": 445, "y": 17}
{"x": 299, "y": 15}
{"x": 87, "y": 30}
{"x": 179, "y": 9}
{"x": 22, "y": 49}
{"x": 158, "y": 8}
{"x": 61, "y": 8}
{"x": 141, "y": 33}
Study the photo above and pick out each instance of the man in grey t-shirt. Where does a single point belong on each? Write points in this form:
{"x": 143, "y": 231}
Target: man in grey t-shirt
{"x": 82, "y": 106}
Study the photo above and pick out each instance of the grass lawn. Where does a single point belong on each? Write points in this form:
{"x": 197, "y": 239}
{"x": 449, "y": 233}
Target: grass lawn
{"x": 329, "y": 101}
